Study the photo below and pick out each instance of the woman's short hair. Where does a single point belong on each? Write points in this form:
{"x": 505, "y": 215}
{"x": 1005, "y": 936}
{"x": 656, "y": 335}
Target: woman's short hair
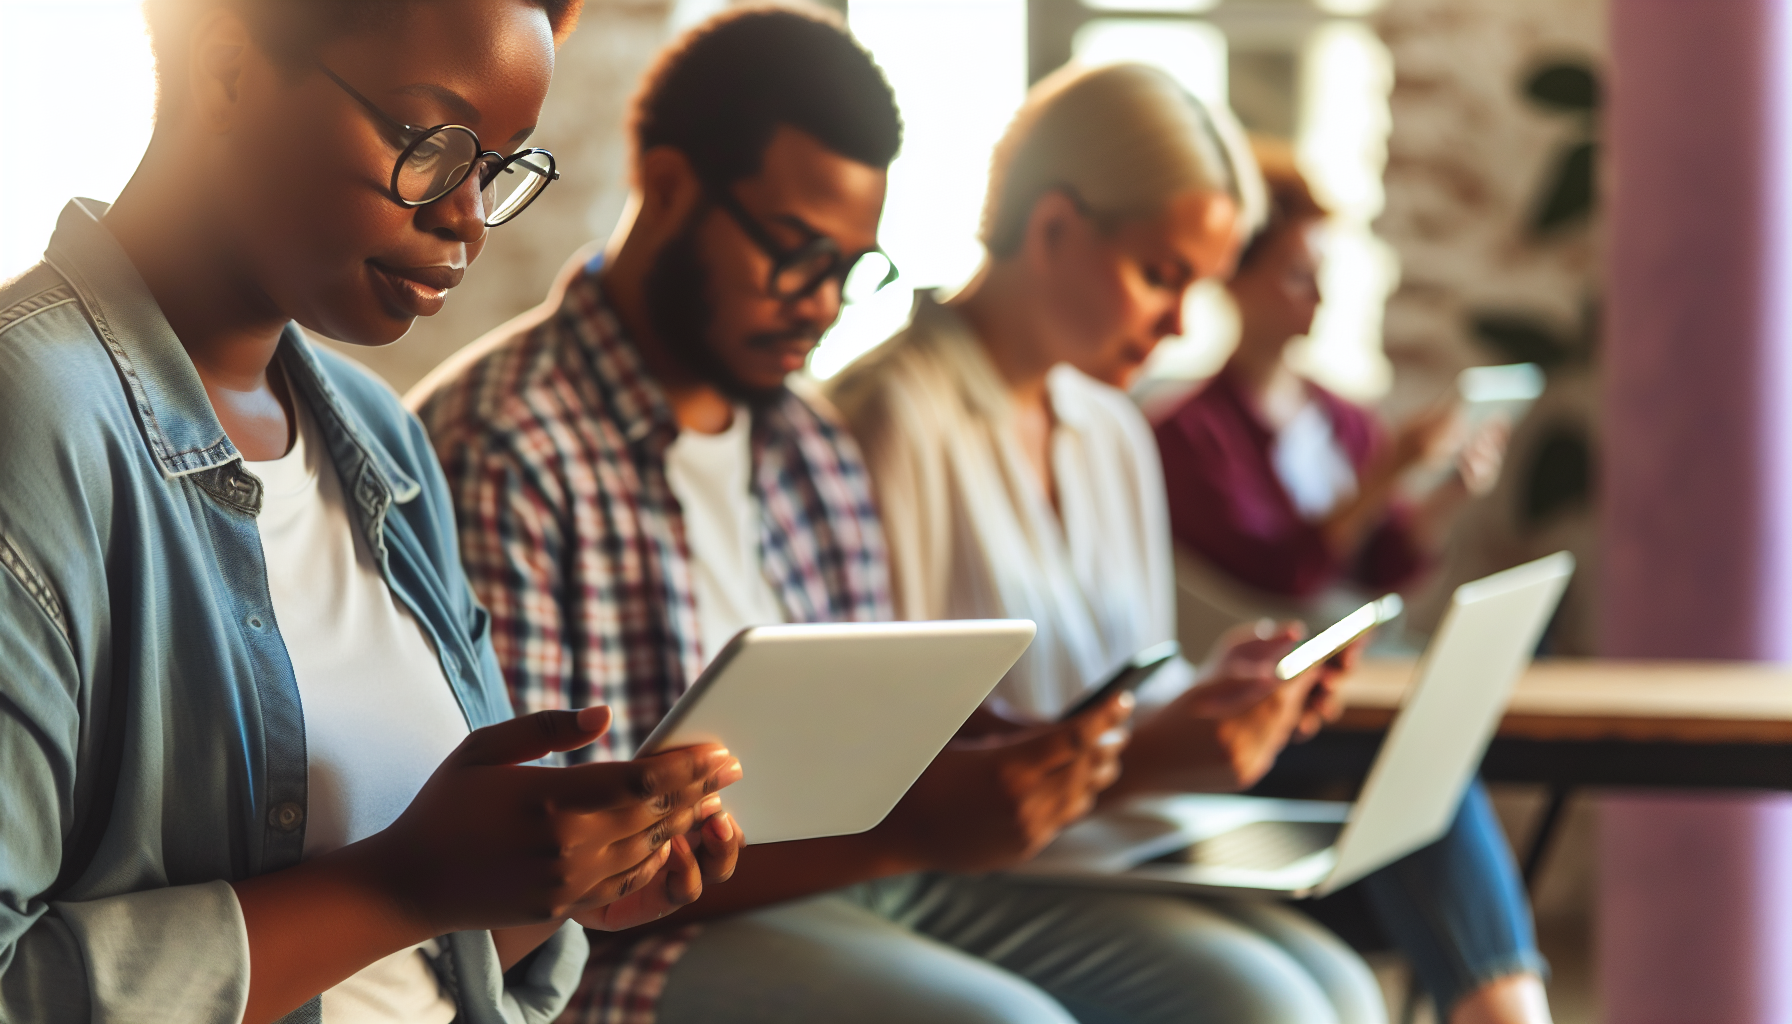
{"x": 719, "y": 92}
{"x": 1123, "y": 140}
{"x": 1291, "y": 200}
{"x": 291, "y": 31}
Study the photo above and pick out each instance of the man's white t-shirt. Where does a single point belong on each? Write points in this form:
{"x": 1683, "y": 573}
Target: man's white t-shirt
{"x": 379, "y": 715}
{"x": 711, "y": 475}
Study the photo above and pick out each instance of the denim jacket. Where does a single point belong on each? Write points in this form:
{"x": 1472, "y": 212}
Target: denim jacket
{"x": 152, "y": 746}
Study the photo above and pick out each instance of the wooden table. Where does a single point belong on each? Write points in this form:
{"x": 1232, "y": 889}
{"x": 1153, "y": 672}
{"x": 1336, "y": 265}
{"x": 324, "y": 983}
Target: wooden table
{"x": 1588, "y": 700}
{"x": 1572, "y": 723}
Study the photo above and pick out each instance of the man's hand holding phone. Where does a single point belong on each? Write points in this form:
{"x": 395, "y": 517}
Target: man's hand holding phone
{"x": 993, "y": 801}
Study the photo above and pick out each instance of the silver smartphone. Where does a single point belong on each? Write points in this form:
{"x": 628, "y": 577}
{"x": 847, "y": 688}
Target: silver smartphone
{"x": 1339, "y": 635}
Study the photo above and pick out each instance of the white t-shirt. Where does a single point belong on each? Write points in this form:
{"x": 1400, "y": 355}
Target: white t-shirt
{"x": 379, "y": 715}
{"x": 711, "y": 475}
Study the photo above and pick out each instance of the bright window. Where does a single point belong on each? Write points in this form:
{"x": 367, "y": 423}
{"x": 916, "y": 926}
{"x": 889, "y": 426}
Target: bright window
{"x": 959, "y": 68}
{"x": 1340, "y": 136}
{"x": 77, "y": 103}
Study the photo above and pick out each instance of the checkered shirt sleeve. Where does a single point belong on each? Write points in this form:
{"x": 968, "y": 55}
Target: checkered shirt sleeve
{"x": 553, "y": 438}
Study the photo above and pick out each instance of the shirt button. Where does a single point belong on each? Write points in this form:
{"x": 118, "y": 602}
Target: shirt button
{"x": 286, "y": 816}
{"x": 255, "y": 622}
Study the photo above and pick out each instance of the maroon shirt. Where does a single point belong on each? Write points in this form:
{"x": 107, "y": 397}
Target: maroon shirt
{"x": 1228, "y": 505}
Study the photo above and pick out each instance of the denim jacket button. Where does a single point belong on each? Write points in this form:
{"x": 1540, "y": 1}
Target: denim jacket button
{"x": 255, "y": 622}
{"x": 286, "y": 816}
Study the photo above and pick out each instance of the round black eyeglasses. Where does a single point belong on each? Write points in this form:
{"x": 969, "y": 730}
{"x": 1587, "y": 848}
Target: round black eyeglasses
{"x": 797, "y": 273}
{"x": 433, "y": 162}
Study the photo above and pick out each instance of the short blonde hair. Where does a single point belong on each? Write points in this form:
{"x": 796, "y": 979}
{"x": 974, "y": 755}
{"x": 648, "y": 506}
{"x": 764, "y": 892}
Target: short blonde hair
{"x": 1123, "y": 140}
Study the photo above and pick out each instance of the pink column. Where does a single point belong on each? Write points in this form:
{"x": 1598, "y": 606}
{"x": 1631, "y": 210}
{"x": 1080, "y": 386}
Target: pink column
{"x": 1695, "y": 890}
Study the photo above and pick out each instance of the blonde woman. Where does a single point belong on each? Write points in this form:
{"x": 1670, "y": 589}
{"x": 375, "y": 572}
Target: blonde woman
{"x": 1010, "y": 484}
{"x": 1015, "y": 479}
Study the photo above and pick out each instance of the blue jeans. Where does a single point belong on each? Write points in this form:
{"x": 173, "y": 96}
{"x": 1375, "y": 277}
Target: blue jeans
{"x": 1457, "y": 909}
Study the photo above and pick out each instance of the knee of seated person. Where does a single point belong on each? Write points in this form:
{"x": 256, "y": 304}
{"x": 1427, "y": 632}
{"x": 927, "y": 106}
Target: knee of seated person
{"x": 1009, "y": 1000}
{"x": 981, "y": 997}
{"x": 1214, "y": 966}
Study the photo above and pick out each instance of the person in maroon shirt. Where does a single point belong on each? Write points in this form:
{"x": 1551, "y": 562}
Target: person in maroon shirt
{"x": 1292, "y": 490}
{"x": 1276, "y": 481}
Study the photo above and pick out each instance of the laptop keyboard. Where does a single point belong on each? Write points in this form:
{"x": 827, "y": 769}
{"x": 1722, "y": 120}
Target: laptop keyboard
{"x": 1259, "y": 846}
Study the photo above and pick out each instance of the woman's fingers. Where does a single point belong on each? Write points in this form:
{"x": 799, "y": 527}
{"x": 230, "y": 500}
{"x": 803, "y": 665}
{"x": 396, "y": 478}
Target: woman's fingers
{"x": 682, "y": 878}
{"x": 720, "y": 842}
{"x": 675, "y": 882}
{"x": 638, "y": 877}
{"x": 688, "y": 806}
{"x": 660, "y": 832}
{"x": 532, "y": 736}
{"x": 656, "y": 784}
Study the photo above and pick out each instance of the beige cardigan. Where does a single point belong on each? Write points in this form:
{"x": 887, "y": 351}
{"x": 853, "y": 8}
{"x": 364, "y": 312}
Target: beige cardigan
{"x": 972, "y": 532}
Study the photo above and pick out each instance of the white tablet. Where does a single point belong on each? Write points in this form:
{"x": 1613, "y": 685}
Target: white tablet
{"x": 833, "y": 723}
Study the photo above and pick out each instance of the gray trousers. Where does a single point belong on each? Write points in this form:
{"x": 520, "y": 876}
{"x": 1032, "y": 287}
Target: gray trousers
{"x": 949, "y": 949}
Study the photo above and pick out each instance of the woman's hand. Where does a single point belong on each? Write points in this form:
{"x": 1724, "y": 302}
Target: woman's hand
{"x": 491, "y": 842}
{"x": 488, "y": 843}
{"x": 1427, "y": 436}
{"x": 1223, "y": 733}
{"x": 1479, "y": 462}
{"x": 1325, "y": 704}
{"x": 681, "y": 877}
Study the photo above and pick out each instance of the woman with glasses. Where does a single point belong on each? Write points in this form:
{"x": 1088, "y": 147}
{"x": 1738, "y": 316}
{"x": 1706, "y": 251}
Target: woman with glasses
{"x": 258, "y": 759}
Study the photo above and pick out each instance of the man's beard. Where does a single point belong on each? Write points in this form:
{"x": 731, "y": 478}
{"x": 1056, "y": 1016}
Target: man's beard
{"x": 679, "y": 312}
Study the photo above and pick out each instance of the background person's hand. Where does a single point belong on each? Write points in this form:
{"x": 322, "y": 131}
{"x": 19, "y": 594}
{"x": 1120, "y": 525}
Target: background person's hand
{"x": 995, "y": 801}
{"x": 491, "y": 842}
{"x": 1478, "y": 463}
{"x": 1428, "y": 436}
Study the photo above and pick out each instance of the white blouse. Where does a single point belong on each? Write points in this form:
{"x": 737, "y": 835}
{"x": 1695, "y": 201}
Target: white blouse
{"x": 972, "y": 531}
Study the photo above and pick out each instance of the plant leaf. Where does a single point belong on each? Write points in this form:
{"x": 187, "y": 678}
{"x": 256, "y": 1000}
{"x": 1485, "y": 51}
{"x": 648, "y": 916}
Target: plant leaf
{"x": 1570, "y": 199}
{"x": 1560, "y": 476}
{"x": 1571, "y": 85}
{"x": 1520, "y": 338}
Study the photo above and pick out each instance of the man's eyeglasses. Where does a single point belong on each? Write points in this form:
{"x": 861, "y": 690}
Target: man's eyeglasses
{"x": 433, "y": 162}
{"x": 797, "y": 273}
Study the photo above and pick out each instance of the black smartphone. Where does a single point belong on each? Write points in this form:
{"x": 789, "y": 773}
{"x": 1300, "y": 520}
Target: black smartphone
{"x": 1127, "y": 679}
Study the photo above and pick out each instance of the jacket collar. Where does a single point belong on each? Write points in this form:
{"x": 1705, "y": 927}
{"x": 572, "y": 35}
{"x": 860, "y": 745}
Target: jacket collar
{"x": 179, "y": 426}
{"x": 182, "y": 431}
{"x": 946, "y": 331}
{"x": 632, "y": 394}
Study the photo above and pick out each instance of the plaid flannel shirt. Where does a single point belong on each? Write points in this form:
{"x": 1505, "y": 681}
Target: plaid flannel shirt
{"x": 553, "y": 436}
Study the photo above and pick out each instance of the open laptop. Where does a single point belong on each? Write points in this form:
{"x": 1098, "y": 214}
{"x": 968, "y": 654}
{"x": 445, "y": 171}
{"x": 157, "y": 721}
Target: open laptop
{"x": 1298, "y": 848}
